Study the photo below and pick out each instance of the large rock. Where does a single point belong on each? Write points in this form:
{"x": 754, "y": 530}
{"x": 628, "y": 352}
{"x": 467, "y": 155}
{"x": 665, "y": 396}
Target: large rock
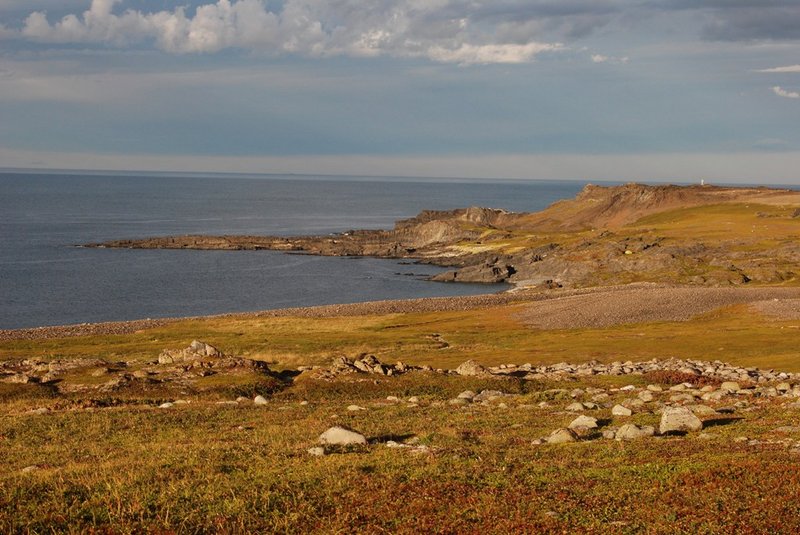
{"x": 585, "y": 422}
{"x": 471, "y": 368}
{"x": 197, "y": 350}
{"x": 561, "y": 436}
{"x": 730, "y": 386}
{"x": 619, "y": 410}
{"x": 633, "y": 432}
{"x": 339, "y": 436}
{"x": 679, "y": 420}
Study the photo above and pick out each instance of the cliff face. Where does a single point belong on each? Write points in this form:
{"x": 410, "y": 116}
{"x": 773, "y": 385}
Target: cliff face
{"x": 591, "y": 239}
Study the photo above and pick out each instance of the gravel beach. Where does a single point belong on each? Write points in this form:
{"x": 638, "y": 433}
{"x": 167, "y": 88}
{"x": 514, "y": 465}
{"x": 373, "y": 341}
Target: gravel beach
{"x": 548, "y": 309}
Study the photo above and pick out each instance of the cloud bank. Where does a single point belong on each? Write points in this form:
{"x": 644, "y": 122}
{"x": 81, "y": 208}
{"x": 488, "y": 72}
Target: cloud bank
{"x": 787, "y": 68}
{"x": 781, "y": 92}
{"x": 430, "y": 29}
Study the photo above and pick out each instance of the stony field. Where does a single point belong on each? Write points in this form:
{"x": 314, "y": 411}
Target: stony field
{"x": 195, "y": 440}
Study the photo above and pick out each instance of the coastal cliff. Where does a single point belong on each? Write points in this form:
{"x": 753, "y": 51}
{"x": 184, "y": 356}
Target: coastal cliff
{"x": 688, "y": 234}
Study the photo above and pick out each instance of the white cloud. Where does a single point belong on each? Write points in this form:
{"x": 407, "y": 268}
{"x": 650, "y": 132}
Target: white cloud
{"x": 434, "y": 29}
{"x": 781, "y": 92}
{"x": 787, "y": 68}
{"x": 600, "y": 58}
{"x": 470, "y": 54}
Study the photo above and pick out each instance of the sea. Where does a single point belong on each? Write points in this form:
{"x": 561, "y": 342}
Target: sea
{"x": 46, "y": 278}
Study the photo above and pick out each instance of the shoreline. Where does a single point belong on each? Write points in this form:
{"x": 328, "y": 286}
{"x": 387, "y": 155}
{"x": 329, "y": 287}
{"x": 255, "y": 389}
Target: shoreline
{"x": 379, "y": 307}
{"x": 385, "y": 306}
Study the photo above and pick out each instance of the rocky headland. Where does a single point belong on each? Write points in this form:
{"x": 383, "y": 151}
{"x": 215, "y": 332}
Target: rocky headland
{"x": 700, "y": 235}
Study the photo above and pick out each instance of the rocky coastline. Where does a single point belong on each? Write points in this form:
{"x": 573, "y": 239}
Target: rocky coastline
{"x": 602, "y": 235}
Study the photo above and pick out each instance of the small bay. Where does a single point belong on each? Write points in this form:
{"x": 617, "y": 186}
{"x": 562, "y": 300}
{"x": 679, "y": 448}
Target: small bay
{"x": 46, "y": 280}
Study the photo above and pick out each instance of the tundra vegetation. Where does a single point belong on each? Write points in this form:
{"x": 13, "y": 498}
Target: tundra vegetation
{"x": 643, "y": 378}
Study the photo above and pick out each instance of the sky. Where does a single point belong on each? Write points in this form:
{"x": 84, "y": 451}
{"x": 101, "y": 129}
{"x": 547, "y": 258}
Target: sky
{"x": 545, "y": 89}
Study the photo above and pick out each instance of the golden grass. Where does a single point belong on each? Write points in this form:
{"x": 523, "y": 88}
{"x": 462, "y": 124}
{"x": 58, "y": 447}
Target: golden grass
{"x": 492, "y": 336}
{"x": 204, "y": 467}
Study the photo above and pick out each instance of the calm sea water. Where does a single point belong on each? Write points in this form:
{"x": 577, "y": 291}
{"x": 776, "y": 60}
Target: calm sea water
{"x": 46, "y": 280}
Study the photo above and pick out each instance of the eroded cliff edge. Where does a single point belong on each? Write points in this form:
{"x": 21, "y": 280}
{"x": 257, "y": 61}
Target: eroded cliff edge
{"x": 685, "y": 234}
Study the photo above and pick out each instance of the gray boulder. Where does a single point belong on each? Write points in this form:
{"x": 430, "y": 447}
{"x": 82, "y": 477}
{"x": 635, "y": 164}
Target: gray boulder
{"x": 679, "y": 420}
{"x": 471, "y": 368}
{"x": 634, "y": 432}
{"x": 619, "y": 410}
{"x": 582, "y": 421}
{"x": 561, "y": 436}
{"x": 339, "y": 436}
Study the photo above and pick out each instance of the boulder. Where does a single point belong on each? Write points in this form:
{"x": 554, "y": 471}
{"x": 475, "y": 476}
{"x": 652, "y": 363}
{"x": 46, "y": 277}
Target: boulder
{"x": 619, "y": 410}
{"x": 339, "y": 436}
{"x": 679, "y": 420}
{"x": 633, "y": 432}
{"x": 471, "y": 368}
{"x": 582, "y": 421}
{"x": 487, "y": 395}
{"x": 730, "y": 386}
{"x": 561, "y": 436}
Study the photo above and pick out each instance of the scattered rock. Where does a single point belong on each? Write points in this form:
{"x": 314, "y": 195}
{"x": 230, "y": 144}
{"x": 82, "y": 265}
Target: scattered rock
{"x": 471, "y": 368}
{"x": 634, "y": 432}
{"x": 196, "y": 350}
{"x": 29, "y": 469}
{"x": 166, "y": 405}
{"x": 355, "y": 408}
{"x": 730, "y": 386}
{"x": 561, "y": 436}
{"x": 317, "y": 451}
{"x": 260, "y": 400}
{"x": 587, "y": 422}
{"x": 678, "y": 420}
{"x": 487, "y": 395}
{"x": 619, "y": 410}
{"x": 339, "y": 436}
